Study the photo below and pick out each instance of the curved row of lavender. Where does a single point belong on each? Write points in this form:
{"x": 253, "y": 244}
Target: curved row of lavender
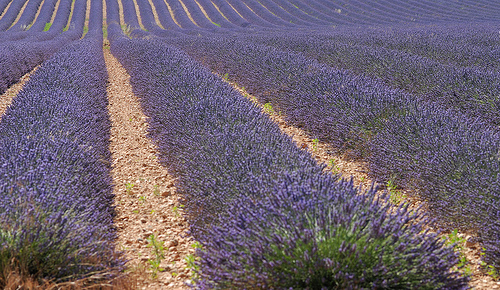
{"x": 250, "y": 15}
{"x": 19, "y": 55}
{"x": 475, "y": 91}
{"x": 450, "y": 159}
{"x": 56, "y": 206}
{"x": 265, "y": 212}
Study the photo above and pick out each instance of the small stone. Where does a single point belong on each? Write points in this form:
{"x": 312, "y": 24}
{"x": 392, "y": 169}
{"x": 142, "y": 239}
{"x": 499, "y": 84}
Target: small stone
{"x": 147, "y": 234}
{"x": 469, "y": 243}
{"x": 143, "y": 220}
{"x": 173, "y": 243}
{"x": 144, "y": 259}
{"x": 166, "y": 193}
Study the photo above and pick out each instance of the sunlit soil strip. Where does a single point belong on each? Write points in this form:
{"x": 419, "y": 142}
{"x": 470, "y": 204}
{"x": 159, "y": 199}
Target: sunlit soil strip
{"x": 70, "y": 15}
{"x": 322, "y": 152}
{"x": 55, "y": 11}
{"x": 37, "y": 13}
{"x": 203, "y": 10}
{"x": 6, "y": 8}
{"x": 155, "y": 13}
{"x": 87, "y": 13}
{"x": 7, "y": 97}
{"x": 87, "y": 17}
{"x": 235, "y": 9}
{"x": 138, "y": 15}
{"x": 358, "y": 171}
{"x": 172, "y": 14}
{"x": 145, "y": 198}
{"x": 268, "y": 9}
{"x": 19, "y": 14}
{"x": 216, "y": 7}
{"x": 187, "y": 12}
{"x": 122, "y": 17}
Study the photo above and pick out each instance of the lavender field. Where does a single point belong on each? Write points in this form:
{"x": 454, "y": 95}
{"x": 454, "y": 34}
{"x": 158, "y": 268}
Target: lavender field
{"x": 408, "y": 88}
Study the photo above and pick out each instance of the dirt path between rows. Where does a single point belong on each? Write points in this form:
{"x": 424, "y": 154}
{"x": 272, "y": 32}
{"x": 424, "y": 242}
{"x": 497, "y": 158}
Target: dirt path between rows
{"x": 359, "y": 172}
{"x": 7, "y": 97}
{"x": 145, "y": 197}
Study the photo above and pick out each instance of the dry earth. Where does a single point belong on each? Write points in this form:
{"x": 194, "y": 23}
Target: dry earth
{"x": 145, "y": 197}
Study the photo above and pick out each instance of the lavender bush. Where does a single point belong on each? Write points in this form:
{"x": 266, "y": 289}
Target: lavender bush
{"x": 322, "y": 234}
{"x": 356, "y": 115}
{"x": 56, "y": 212}
{"x": 266, "y": 214}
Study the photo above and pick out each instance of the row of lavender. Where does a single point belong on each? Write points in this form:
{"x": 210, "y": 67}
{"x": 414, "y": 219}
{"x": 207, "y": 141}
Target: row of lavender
{"x": 56, "y": 212}
{"x": 247, "y": 15}
{"x": 475, "y": 91}
{"x": 265, "y": 212}
{"x": 21, "y": 51}
{"x": 449, "y": 159}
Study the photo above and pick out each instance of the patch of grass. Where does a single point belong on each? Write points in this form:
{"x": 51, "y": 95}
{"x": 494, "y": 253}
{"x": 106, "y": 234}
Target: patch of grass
{"x": 453, "y": 239}
{"x": 396, "y": 196}
{"x": 334, "y": 167}
{"x": 158, "y": 252}
{"x": 129, "y": 187}
{"x": 156, "y": 191}
{"x": 268, "y": 108}
{"x": 491, "y": 270}
{"x": 315, "y": 144}
{"x": 47, "y": 26}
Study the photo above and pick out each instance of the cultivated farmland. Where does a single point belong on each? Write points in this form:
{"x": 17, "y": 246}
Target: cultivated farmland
{"x": 249, "y": 144}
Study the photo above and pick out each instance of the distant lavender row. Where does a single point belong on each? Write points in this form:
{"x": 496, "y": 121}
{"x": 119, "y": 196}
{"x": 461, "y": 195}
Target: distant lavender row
{"x": 17, "y": 58}
{"x": 317, "y": 13}
{"x": 10, "y": 15}
{"x": 266, "y": 214}
{"x": 459, "y": 44}
{"x": 356, "y": 115}
{"x": 473, "y": 91}
{"x": 56, "y": 212}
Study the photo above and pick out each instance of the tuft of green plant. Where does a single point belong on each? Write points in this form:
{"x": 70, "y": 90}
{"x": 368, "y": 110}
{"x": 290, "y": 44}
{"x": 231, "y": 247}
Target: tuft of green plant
{"x": 47, "y": 26}
{"x": 129, "y": 187}
{"x": 268, "y": 108}
{"x": 126, "y": 29}
{"x": 192, "y": 262}
{"x": 453, "y": 239}
{"x": 334, "y": 168}
{"x": 156, "y": 191}
{"x": 226, "y": 76}
{"x": 142, "y": 199}
{"x": 176, "y": 210}
{"x": 105, "y": 31}
{"x": 491, "y": 270}
{"x": 315, "y": 144}
{"x": 396, "y": 196}
{"x": 159, "y": 255}
{"x": 216, "y": 24}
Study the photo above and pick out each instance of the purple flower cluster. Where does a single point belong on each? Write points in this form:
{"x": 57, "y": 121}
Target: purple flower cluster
{"x": 56, "y": 212}
{"x": 473, "y": 90}
{"x": 266, "y": 214}
{"x": 450, "y": 159}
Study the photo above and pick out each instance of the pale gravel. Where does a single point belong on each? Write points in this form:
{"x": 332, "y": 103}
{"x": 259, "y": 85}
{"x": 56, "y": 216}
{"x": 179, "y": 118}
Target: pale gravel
{"x": 7, "y": 97}
{"x": 140, "y": 211}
